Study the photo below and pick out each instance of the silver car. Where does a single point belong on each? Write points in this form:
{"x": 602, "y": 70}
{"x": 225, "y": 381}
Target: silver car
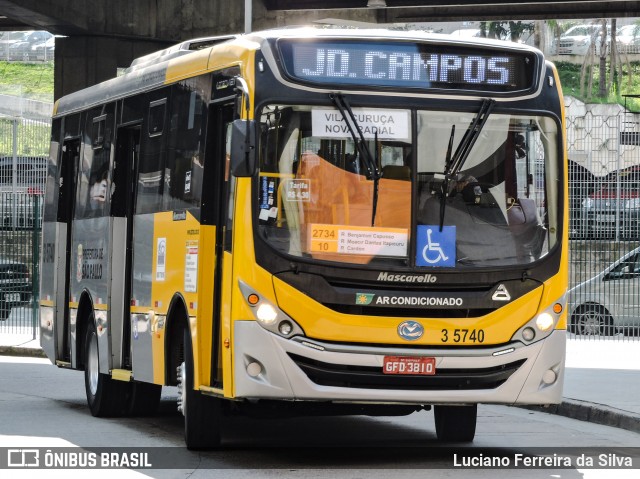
{"x": 609, "y": 302}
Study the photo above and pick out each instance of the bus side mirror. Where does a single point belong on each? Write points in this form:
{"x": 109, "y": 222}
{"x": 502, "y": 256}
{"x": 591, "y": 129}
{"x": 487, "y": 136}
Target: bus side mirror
{"x": 243, "y": 148}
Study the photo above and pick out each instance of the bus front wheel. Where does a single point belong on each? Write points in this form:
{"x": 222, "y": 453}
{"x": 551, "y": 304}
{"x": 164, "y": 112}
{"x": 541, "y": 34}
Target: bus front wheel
{"x": 106, "y": 397}
{"x": 202, "y": 414}
{"x": 456, "y": 423}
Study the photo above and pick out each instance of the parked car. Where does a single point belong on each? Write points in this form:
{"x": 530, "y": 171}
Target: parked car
{"x": 44, "y": 51}
{"x": 22, "y": 50}
{"x": 30, "y": 170}
{"x": 577, "y": 40}
{"x": 466, "y": 33}
{"x": 610, "y": 301}
{"x": 7, "y": 39}
{"x": 582, "y": 183}
{"x": 628, "y": 38}
{"x": 15, "y": 286}
{"x": 19, "y": 210}
{"x": 613, "y": 210}
{"x": 18, "y": 206}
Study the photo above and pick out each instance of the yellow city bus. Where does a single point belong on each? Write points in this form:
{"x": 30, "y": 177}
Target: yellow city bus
{"x": 311, "y": 221}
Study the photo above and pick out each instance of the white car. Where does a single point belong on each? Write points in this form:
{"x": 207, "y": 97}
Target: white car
{"x": 610, "y": 301}
{"x": 577, "y": 40}
{"x": 628, "y": 38}
{"x": 466, "y": 33}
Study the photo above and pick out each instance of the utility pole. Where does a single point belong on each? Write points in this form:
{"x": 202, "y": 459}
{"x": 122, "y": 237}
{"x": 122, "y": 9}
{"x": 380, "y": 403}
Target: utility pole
{"x": 248, "y": 12}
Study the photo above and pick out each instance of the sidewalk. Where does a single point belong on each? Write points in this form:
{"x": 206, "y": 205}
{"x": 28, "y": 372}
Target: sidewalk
{"x": 20, "y": 345}
{"x": 602, "y": 382}
{"x": 602, "y": 379}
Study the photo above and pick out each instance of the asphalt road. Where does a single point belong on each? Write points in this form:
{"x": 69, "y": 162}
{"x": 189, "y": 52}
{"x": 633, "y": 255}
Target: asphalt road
{"x": 42, "y": 406}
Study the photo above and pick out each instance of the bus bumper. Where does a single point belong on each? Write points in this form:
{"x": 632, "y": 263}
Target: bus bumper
{"x": 268, "y": 366}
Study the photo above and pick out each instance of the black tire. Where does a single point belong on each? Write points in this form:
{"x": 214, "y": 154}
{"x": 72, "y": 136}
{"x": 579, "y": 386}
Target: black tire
{"x": 592, "y": 320}
{"x": 106, "y": 397}
{"x": 202, "y": 414}
{"x": 144, "y": 399}
{"x": 456, "y": 423}
{"x": 5, "y": 310}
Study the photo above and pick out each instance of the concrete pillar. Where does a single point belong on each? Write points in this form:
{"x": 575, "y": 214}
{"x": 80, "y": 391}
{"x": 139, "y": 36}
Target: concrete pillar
{"x": 83, "y": 61}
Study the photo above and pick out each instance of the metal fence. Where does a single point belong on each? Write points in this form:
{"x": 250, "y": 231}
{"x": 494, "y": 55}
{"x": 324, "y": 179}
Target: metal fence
{"x": 19, "y": 271}
{"x": 604, "y": 214}
{"x": 23, "y": 165}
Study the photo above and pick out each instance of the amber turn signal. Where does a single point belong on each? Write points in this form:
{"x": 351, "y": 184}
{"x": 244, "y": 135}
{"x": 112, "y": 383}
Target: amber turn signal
{"x": 253, "y": 299}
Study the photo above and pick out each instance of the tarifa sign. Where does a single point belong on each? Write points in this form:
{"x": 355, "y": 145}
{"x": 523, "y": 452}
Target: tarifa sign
{"x": 386, "y": 124}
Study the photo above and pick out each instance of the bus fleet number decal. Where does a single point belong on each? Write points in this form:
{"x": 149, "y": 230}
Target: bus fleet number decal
{"x": 462, "y": 336}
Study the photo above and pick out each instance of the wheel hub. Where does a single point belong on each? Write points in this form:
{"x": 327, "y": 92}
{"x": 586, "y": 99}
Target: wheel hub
{"x": 92, "y": 365}
{"x": 182, "y": 390}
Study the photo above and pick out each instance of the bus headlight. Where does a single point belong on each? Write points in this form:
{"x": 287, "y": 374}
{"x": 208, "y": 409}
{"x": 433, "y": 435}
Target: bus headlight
{"x": 285, "y": 328}
{"x": 268, "y": 315}
{"x": 528, "y": 334}
{"x": 544, "y": 321}
{"x": 542, "y": 324}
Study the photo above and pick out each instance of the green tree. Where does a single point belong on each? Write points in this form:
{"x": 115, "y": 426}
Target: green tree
{"x": 511, "y": 30}
{"x": 519, "y": 28}
{"x": 602, "y": 77}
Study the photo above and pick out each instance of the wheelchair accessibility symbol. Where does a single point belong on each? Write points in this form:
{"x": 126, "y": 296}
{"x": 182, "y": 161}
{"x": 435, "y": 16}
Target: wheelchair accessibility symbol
{"x": 435, "y": 247}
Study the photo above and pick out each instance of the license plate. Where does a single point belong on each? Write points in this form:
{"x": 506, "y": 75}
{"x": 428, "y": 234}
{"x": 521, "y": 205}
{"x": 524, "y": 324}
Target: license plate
{"x": 12, "y": 298}
{"x": 409, "y": 365}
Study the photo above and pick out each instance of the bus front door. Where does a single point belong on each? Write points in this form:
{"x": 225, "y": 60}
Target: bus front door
{"x": 67, "y": 182}
{"x": 122, "y": 205}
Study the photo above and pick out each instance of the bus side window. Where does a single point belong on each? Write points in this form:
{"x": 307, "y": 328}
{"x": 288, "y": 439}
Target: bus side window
{"x": 152, "y": 160}
{"x": 155, "y": 124}
{"x": 184, "y": 166}
{"x": 93, "y": 187}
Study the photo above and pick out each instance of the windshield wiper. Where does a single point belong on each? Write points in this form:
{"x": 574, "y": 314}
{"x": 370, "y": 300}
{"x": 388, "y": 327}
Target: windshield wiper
{"x": 371, "y": 165}
{"x": 444, "y": 184}
{"x": 470, "y": 137}
{"x": 453, "y": 164}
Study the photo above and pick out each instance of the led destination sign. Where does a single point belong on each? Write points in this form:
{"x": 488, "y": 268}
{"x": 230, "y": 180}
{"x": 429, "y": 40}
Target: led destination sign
{"x": 409, "y": 65}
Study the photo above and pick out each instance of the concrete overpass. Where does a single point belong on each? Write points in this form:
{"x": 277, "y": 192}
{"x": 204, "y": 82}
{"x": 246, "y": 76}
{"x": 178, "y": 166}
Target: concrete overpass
{"x": 102, "y": 35}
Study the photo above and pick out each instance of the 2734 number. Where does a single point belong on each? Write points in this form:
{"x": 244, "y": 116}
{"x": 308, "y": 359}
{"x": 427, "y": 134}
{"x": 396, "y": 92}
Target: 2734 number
{"x": 323, "y": 233}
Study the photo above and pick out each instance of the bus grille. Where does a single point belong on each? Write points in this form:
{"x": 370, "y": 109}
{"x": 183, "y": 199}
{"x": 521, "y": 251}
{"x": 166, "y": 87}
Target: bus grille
{"x": 367, "y": 377}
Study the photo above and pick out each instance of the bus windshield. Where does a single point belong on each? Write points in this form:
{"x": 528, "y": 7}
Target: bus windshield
{"x": 317, "y": 198}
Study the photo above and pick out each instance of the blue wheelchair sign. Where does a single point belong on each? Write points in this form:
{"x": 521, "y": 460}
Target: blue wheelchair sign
{"x": 435, "y": 247}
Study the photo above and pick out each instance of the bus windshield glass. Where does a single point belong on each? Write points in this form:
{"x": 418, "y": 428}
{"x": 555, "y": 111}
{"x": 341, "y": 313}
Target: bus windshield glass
{"x": 317, "y": 198}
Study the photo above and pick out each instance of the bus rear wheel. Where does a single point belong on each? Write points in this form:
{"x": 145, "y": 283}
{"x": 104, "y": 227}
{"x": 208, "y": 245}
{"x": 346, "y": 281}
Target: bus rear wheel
{"x": 202, "y": 414}
{"x": 106, "y": 397}
{"x": 456, "y": 423}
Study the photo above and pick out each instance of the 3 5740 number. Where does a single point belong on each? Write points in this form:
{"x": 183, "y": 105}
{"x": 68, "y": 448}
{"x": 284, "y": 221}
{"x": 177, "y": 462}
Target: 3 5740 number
{"x": 462, "y": 336}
